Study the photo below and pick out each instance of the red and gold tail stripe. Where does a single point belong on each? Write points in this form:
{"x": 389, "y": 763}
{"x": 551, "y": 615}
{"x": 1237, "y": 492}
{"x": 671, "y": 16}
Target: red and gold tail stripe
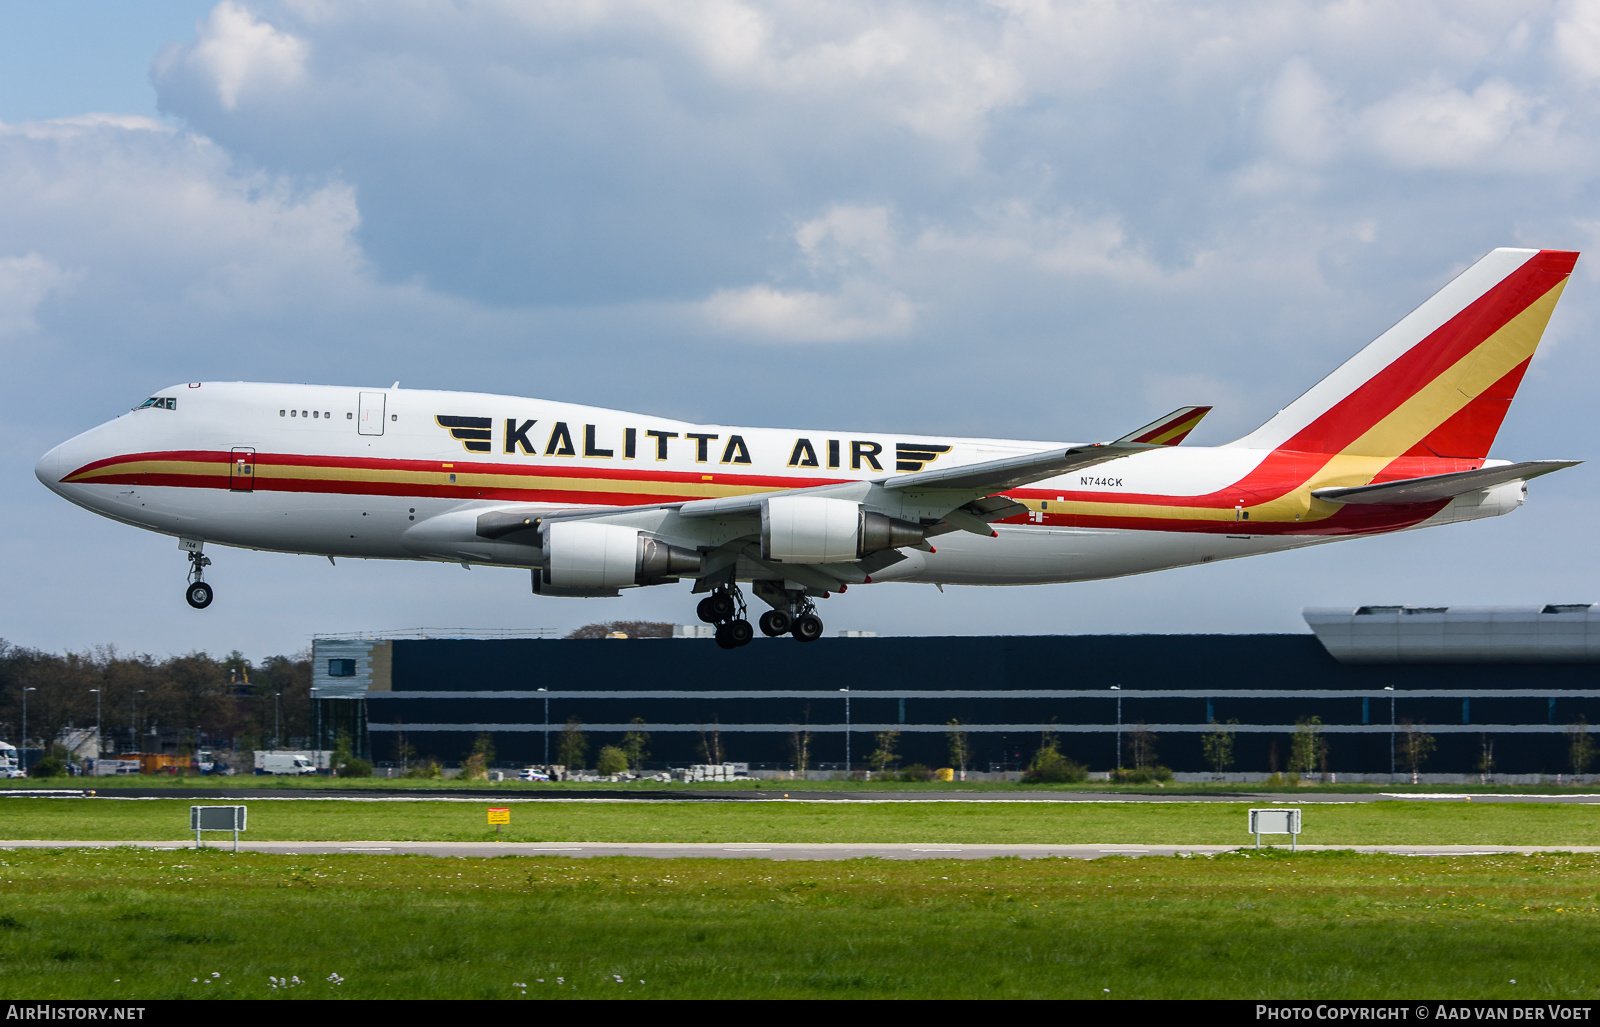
{"x": 1443, "y": 372}
{"x": 1449, "y": 391}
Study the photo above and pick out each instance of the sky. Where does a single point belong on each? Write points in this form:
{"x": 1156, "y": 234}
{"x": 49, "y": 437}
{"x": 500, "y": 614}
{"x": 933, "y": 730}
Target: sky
{"x": 1017, "y": 219}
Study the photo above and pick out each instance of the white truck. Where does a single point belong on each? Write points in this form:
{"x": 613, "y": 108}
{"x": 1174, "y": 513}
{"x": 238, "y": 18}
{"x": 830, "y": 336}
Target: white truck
{"x": 717, "y": 772}
{"x": 10, "y": 762}
{"x": 292, "y": 763}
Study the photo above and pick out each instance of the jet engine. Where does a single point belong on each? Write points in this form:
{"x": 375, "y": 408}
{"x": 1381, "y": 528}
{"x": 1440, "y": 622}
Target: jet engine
{"x": 581, "y": 555}
{"x": 816, "y": 529}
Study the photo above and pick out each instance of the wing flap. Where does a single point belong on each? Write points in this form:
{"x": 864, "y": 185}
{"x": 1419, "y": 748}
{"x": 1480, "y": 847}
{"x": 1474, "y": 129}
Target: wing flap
{"x": 1435, "y": 487}
{"x": 729, "y": 506}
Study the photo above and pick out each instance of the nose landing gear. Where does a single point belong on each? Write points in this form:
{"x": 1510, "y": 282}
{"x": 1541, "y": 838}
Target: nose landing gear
{"x": 725, "y": 608}
{"x": 198, "y": 594}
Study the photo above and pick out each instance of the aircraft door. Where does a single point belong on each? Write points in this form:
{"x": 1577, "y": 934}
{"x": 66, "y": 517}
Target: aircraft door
{"x": 242, "y": 470}
{"x": 370, "y": 419}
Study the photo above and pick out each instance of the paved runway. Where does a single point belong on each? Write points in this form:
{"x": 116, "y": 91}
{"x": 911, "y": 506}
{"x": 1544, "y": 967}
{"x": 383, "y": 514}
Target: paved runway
{"x": 224, "y": 795}
{"x": 799, "y": 851}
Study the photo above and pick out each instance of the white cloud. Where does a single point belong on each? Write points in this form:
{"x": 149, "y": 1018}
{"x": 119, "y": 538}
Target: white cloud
{"x": 857, "y": 312}
{"x": 1299, "y": 113}
{"x": 851, "y": 248}
{"x": 1060, "y": 243}
{"x": 539, "y": 152}
{"x": 1576, "y": 38}
{"x": 846, "y": 236}
{"x": 24, "y": 283}
{"x": 1438, "y": 126}
{"x": 237, "y": 52}
{"x": 138, "y": 206}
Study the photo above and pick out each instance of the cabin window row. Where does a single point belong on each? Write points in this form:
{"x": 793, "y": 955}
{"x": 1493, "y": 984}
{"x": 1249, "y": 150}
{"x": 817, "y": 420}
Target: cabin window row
{"x": 312, "y": 413}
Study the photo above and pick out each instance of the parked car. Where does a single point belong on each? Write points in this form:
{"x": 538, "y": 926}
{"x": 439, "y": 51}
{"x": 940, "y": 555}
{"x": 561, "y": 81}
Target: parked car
{"x": 533, "y": 774}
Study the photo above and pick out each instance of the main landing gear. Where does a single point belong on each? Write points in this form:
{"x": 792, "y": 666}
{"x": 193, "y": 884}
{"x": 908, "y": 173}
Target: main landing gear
{"x": 792, "y": 613}
{"x": 198, "y": 594}
{"x": 725, "y": 608}
{"x": 806, "y": 628}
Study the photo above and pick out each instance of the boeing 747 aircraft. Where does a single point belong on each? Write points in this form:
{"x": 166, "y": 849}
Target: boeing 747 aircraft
{"x": 593, "y": 501}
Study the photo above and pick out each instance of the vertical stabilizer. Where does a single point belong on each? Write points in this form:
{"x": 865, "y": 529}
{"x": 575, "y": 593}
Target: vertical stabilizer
{"x": 1439, "y": 382}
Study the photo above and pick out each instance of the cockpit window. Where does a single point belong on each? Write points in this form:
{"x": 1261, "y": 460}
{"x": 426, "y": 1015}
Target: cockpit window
{"x": 160, "y": 403}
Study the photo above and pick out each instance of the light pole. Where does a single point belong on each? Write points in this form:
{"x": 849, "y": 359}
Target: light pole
{"x": 846, "y": 692}
{"x": 277, "y": 739}
{"x": 546, "y": 731}
{"x": 133, "y": 718}
{"x": 96, "y": 692}
{"x": 1118, "y": 689}
{"x": 1390, "y": 690}
{"x": 25, "y": 692}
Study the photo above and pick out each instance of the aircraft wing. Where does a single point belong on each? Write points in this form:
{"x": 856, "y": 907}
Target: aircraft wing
{"x": 1009, "y": 472}
{"x": 1012, "y": 471}
{"x": 1435, "y": 487}
{"x": 980, "y": 480}
{"x": 961, "y": 498}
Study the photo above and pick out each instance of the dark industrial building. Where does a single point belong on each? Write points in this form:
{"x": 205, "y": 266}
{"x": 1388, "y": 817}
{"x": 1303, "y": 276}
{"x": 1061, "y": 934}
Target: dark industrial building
{"x": 1510, "y": 681}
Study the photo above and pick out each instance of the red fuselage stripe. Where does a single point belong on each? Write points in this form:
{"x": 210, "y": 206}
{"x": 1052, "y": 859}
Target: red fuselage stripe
{"x": 268, "y": 478}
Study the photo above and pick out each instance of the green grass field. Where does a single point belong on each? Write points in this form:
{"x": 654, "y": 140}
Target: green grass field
{"x": 1192, "y": 823}
{"x": 124, "y": 923}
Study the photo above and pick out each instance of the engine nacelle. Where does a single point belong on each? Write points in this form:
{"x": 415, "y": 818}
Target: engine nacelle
{"x": 580, "y": 555}
{"x": 1492, "y": 502}
{"x": 816, "y": 529}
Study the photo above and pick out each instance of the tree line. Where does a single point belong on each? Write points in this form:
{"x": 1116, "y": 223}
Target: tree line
{"x": 139, "y": 694}
{"x": 1413, "y": 746}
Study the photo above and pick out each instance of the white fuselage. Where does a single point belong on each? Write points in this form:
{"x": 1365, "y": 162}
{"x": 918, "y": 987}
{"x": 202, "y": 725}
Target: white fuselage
{"x": 383, "y": 473}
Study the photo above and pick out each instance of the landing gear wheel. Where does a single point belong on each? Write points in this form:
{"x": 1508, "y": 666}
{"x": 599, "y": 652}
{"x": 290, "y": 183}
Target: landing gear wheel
{"x": 716, "y": 608}
{"x": 734, "y": 634}
{"x": 199, "y": 595}
{"x": 725, "y": 608}
{"x": 775, "y": 622}
{"x": 807, "y": 628}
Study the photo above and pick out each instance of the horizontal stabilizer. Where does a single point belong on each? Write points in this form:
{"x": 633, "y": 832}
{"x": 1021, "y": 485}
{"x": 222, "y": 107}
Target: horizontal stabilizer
{"x": 1435, "y": 487}
{"x": 1169, "y": 430}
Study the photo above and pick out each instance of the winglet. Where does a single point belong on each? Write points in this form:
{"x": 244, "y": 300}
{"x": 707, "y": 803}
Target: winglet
{"x": 1169, "y": 430}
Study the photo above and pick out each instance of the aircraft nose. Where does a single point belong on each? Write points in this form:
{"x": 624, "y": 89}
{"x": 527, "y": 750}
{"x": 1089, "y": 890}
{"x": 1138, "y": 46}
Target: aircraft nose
{"x": 48, "y": 469}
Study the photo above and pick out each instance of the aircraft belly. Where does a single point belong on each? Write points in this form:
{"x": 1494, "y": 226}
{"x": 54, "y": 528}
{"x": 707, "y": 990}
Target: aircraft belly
{"x": 1024, "y": 556}
{"x": 324, "y": 524}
